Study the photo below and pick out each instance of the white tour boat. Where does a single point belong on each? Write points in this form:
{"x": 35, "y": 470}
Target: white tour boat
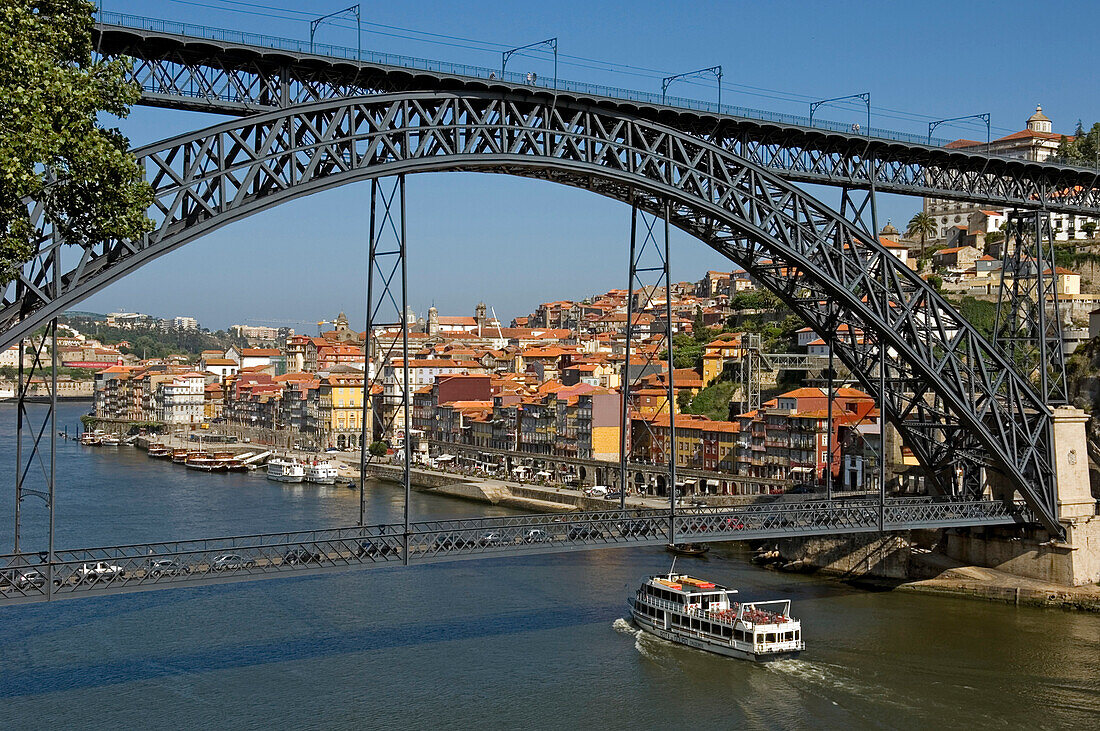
{"x": 323, "y": 473}
{"x": 285, "y": 469}
{"x": 703, "y": 615}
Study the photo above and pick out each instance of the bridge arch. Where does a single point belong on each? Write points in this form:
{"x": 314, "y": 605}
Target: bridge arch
{"x": 953, "y": 396}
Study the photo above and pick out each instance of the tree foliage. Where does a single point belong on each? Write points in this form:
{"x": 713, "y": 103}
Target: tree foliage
{"x": 151, "y": 342}
{"x": 922, "y": 225}
{"x": 756, "y": 299}
{"x": 1081, "y": 149}
{"x": 53, "y": 149}
{"x": 712, "y": 401}
{"x": 979, "y": 313}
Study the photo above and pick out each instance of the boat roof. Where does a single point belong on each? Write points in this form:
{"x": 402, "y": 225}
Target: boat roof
{"x": 686, "y": 584}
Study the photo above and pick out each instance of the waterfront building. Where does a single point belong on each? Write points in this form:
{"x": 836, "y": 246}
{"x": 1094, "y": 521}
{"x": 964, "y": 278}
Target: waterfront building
{"x": 340, "y": 397}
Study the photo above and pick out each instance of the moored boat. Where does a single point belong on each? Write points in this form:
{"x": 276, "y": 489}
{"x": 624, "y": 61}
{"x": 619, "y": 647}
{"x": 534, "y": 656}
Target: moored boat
{"x": 702, "y": 614}
{"x": 322, "y": 473}
{"x": 285, "y": 469}
{"x": 159, "y": 451}
{"x": 204, "y": 461}
{"x": 687, "y": 549}
{"x": 91, "y": 437}
{"x": 110, "y": 440}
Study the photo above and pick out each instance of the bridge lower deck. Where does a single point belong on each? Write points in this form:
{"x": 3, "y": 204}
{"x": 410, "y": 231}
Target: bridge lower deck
{"x": 31, "y": 577}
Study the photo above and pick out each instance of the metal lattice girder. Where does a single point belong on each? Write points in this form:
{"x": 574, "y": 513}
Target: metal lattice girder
{"x": 648, "y": 288}
{"x": 1029, "y": 326}
{"x": 209, "y": 72}
{"x": 942, "y": 378}
{"x": 143, "y": 567}
{"x": 387, "y": 308}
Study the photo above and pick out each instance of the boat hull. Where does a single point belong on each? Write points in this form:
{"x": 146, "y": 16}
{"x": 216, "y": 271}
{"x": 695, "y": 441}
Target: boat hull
{"x": 285, "y": 478}
{"x": 646, "y": 624}
{"x": 321, "y": 480}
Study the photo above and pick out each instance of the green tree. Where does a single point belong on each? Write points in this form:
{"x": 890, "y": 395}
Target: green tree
{"x": 759, "y": 299}
{"x": 1081, "y": 149}
{"x": 378, "y": 449}
{"x": 712, "y": 401}
{"x": 699, "y": 326}
{"x": 52, "y": 148}
{"x": 923, "y": 225}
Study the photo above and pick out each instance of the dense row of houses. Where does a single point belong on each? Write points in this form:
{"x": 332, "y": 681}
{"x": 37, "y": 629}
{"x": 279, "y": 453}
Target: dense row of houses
{"x": 549, "y": 384}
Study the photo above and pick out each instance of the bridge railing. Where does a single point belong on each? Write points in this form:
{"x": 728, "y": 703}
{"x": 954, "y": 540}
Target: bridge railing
{"x": 135, "y": 567}
{"x": 480, "y": 72}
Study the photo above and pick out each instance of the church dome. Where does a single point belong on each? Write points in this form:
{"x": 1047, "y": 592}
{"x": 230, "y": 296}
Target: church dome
{"x": 1039, "y": 122}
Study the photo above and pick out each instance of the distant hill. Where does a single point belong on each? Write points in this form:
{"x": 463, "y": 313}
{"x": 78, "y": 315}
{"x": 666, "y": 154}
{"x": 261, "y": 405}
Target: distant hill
{"x": 85, "y": 315}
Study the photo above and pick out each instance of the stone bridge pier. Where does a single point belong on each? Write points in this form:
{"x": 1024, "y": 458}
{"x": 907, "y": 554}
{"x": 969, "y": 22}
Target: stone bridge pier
{"x": 1073, "y": 562}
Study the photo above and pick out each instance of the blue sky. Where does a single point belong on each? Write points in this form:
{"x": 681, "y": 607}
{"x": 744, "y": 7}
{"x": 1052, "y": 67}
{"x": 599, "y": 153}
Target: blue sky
{"x": 514, "y": 243}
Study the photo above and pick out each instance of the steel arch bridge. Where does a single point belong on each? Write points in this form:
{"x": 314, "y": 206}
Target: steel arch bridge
{"x": 730, "y": 181}
{"x": 953, "y": 396}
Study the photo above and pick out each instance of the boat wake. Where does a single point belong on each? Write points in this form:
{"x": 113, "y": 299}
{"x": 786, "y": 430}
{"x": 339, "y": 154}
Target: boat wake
{"x": 830, "y": 678}
{"x": 623, "y": 626}
{"x": 648, "y": 645}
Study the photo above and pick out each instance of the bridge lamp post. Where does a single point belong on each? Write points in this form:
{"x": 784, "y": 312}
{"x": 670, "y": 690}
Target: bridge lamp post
{"x": 352, "y": 10}
{"x": 506, "y": 55}
{"x": 984, "y": 117}
{"x": 865, "y": 96}
{"x": 668, "y": 80}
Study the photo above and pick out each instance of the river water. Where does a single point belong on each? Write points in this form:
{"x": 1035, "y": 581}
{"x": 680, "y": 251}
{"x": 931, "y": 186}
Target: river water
{"x": 526, "y": 642}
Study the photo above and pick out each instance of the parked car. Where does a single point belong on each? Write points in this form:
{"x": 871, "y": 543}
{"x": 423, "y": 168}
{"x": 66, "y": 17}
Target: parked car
{"x": 801, "y": 488}
{"x": 231, "y": 561}
{"x": 22, "y": 579}
{"x": 167, "y": 567}
{"x": 596, "y": 491}
{"x": 376, "y": 549}
{"x": 584, "y": 532}
{"x": 536, "y": 536}
{"x": 303, "y": 555}
{"x": 614, "y": 495}
{"x": 492, "y": 538}
{"x": 100, "y": 571}
{"x": 451, "y": 542}
{"x": 636, "y": 529}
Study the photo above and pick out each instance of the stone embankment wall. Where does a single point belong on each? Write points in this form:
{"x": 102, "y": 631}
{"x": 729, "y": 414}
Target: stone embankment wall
{"x": 859, "y": 555}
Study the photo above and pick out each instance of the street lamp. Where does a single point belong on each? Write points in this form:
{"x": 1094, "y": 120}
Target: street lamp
{"x": 552, "y": 42}
{"x": 865, "y": 96}
{"x": 353, "y": 10}
{"x": 984, "y": 117}
{"x": 716, "y": 70}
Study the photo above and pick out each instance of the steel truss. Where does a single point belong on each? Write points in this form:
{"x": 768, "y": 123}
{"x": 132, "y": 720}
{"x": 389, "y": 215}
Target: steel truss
{"x": 387, "y": 297}
{"x": 1028, "y": 327}
{"x": 143, "y": 567}
{"x": 943, "y": 379}
{"x": 41, "y": 456}
{"x": 648, "y": 287}
{"x": 216, "y": 75}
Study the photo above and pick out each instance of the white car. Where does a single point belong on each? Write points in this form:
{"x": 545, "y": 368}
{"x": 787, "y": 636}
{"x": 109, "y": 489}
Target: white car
{"x": 596, "y": 491}
{"x": 99, "y": 571}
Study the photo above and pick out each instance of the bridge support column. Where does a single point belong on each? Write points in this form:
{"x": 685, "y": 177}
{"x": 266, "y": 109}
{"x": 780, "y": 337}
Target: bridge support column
{"x": 649, "y": 281}
{"x": 387, "y": 297}
{"x": 1074, "y": 561}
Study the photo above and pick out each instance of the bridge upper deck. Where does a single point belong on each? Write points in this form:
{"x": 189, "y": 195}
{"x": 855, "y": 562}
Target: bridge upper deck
{"x": 231, "y": 72}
